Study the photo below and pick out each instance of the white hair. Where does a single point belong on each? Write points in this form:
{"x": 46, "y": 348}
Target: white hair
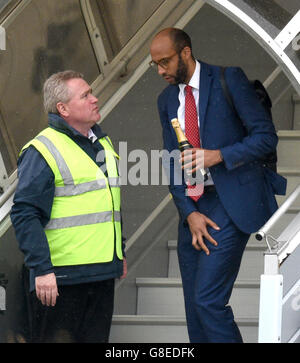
{"x": 55, "y": 89}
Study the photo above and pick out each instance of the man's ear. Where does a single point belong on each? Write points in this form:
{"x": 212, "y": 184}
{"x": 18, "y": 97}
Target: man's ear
{"x": 186, "y": 53}
{"x": 62, "y": 109}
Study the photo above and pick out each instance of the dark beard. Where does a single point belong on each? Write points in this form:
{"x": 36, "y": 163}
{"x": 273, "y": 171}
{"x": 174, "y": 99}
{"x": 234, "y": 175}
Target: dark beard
{"x": 181, "y": 73}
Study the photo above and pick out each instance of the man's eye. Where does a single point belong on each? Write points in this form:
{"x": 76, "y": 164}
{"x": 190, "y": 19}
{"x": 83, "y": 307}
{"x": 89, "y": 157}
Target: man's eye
{"x": 164, "y": 62}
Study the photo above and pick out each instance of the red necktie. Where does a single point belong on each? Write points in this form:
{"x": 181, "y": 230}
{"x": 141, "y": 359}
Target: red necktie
{"x": 192, "y": 134}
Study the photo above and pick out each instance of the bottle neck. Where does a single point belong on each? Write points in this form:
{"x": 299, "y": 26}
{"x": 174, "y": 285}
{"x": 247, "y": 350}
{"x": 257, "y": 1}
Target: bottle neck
{"x": 181, "y": 138}
{"x": 180, "y": 135}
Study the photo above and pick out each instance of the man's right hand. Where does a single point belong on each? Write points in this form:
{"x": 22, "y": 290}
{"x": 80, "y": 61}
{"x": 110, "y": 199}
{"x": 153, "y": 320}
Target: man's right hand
{"x": 46, "y": 289}
{"x": 198, "y": 226}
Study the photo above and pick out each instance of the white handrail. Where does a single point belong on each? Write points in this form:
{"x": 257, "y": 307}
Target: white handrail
{"x": 278, "y": 214}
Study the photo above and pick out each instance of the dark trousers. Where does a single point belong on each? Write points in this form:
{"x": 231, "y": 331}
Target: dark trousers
{"x": 208, "y": 280}
{"x": 82, "y": 314}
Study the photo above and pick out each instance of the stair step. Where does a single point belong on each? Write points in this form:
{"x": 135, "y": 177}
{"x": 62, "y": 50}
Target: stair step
{"x": 165, "y": 329}
{"x": 176, "y": 282}
{"x": 296, "y": 121}
{"x": 253, "y": 258}
{"x": 288, "y": 134}
{"x": 251, "y": 266}
{"x": 293, "y": 176}
{"x": 164, "y": 296}
{"x": 252, "y": 245}
{"x": 287, "y": 172}
{"x": 288, "y": 149}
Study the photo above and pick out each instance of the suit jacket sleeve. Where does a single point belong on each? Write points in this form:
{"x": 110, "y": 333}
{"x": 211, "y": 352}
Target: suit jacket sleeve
{"x": 177, "y": 187}
{"x": 261, "y": 136}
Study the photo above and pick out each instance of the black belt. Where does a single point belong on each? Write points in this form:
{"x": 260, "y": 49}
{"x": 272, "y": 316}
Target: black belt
{"x": 209, "y": 188}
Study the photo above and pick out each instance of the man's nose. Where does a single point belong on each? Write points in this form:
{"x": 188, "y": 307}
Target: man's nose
{"x": 161, "y": 71}
{"x": 94, "y": 99}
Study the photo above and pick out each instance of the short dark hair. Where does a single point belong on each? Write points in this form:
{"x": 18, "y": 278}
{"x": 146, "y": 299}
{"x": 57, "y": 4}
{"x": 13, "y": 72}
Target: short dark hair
{"x": 180, "y": 39}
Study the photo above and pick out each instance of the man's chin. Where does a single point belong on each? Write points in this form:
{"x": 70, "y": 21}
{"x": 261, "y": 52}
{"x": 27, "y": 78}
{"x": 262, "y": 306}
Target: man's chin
{"x": 170, "y": 80}
{"x": 173, "y": 81}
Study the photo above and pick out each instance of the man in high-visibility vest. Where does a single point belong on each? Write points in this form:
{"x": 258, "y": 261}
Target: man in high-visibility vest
{"x": 67, "y": 217}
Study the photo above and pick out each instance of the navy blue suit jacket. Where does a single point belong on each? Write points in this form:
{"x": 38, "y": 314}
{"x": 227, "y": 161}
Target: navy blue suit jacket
{"x": 245, "y": 186}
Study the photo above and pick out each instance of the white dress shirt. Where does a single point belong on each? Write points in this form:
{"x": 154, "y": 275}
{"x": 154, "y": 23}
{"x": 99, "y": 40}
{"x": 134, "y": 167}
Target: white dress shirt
{"x": 195, "y": 84}
{"x": 92, "y": 136}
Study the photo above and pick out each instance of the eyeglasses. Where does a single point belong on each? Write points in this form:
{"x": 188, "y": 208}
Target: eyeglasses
{"x": 164, "y": 63}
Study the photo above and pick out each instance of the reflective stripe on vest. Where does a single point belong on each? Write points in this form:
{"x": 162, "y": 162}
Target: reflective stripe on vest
{"x": 86, "y": 187}
{"x": 71, "y": 188}
{"x": 85, "y": 220}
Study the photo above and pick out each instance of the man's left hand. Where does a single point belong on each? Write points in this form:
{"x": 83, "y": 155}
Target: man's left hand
{"x": 196, "y": 158}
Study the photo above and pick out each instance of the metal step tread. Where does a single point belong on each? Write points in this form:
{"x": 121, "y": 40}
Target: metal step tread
{"x": 288, "y": 171}
{"x": 167, "y": 320}
{"x": 254, "y": 246}
{"x": 176, "y": 282}
{"x": 290, "y": 134}
{"x": 296, "y": 97}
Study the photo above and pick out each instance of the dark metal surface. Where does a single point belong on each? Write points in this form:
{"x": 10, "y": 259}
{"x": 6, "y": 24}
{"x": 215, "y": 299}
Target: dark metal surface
{"x": 48, "y": 36}
{"x": 12, "y": 319}
{"x": 118, "y": 30}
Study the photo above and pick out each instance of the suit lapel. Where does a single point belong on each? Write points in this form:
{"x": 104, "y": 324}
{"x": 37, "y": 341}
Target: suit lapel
{"x": 205, "y": 85}
{"x": 173, "y": 105}
{"x": 173, "y": 102}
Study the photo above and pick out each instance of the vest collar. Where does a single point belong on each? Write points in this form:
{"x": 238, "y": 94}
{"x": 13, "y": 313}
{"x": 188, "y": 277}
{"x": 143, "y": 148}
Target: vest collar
{"x": 59, "y": 124}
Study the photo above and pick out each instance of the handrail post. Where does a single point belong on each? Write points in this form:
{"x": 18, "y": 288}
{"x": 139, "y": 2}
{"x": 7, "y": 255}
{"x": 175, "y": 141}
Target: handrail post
{"x": 270, "y": 309}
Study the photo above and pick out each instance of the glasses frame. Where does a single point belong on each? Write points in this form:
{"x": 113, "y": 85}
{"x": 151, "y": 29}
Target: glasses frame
{"x": 163, "y": 63}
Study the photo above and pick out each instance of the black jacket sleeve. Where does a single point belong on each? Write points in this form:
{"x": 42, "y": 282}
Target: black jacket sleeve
{"x": 32, "y": 209}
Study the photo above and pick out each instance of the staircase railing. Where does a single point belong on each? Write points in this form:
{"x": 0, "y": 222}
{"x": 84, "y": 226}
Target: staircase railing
{"x": 6, "y": 202}
{"x": 279, "y": 310}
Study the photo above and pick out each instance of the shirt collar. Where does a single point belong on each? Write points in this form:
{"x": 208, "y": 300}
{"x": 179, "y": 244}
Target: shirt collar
{"x": 195, "y": 80}
{"x": 92, "y": 136}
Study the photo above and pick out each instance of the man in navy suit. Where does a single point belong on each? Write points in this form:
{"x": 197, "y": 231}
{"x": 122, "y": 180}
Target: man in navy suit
{"x": 238, "y": 196}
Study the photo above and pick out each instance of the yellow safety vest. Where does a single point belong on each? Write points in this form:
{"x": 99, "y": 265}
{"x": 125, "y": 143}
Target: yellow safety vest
{"x": 85, "y": 222}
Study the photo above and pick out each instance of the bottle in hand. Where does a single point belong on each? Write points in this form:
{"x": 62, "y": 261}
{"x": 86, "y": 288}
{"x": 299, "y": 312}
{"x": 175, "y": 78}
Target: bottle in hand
{"x": 183, "y": 144}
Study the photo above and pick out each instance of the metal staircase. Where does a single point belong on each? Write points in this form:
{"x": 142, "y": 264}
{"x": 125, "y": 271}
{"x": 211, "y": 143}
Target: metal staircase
{"x": 160, "y": 307}
{"x": 279, "y": 319}
{"x": 153, "y": 308}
